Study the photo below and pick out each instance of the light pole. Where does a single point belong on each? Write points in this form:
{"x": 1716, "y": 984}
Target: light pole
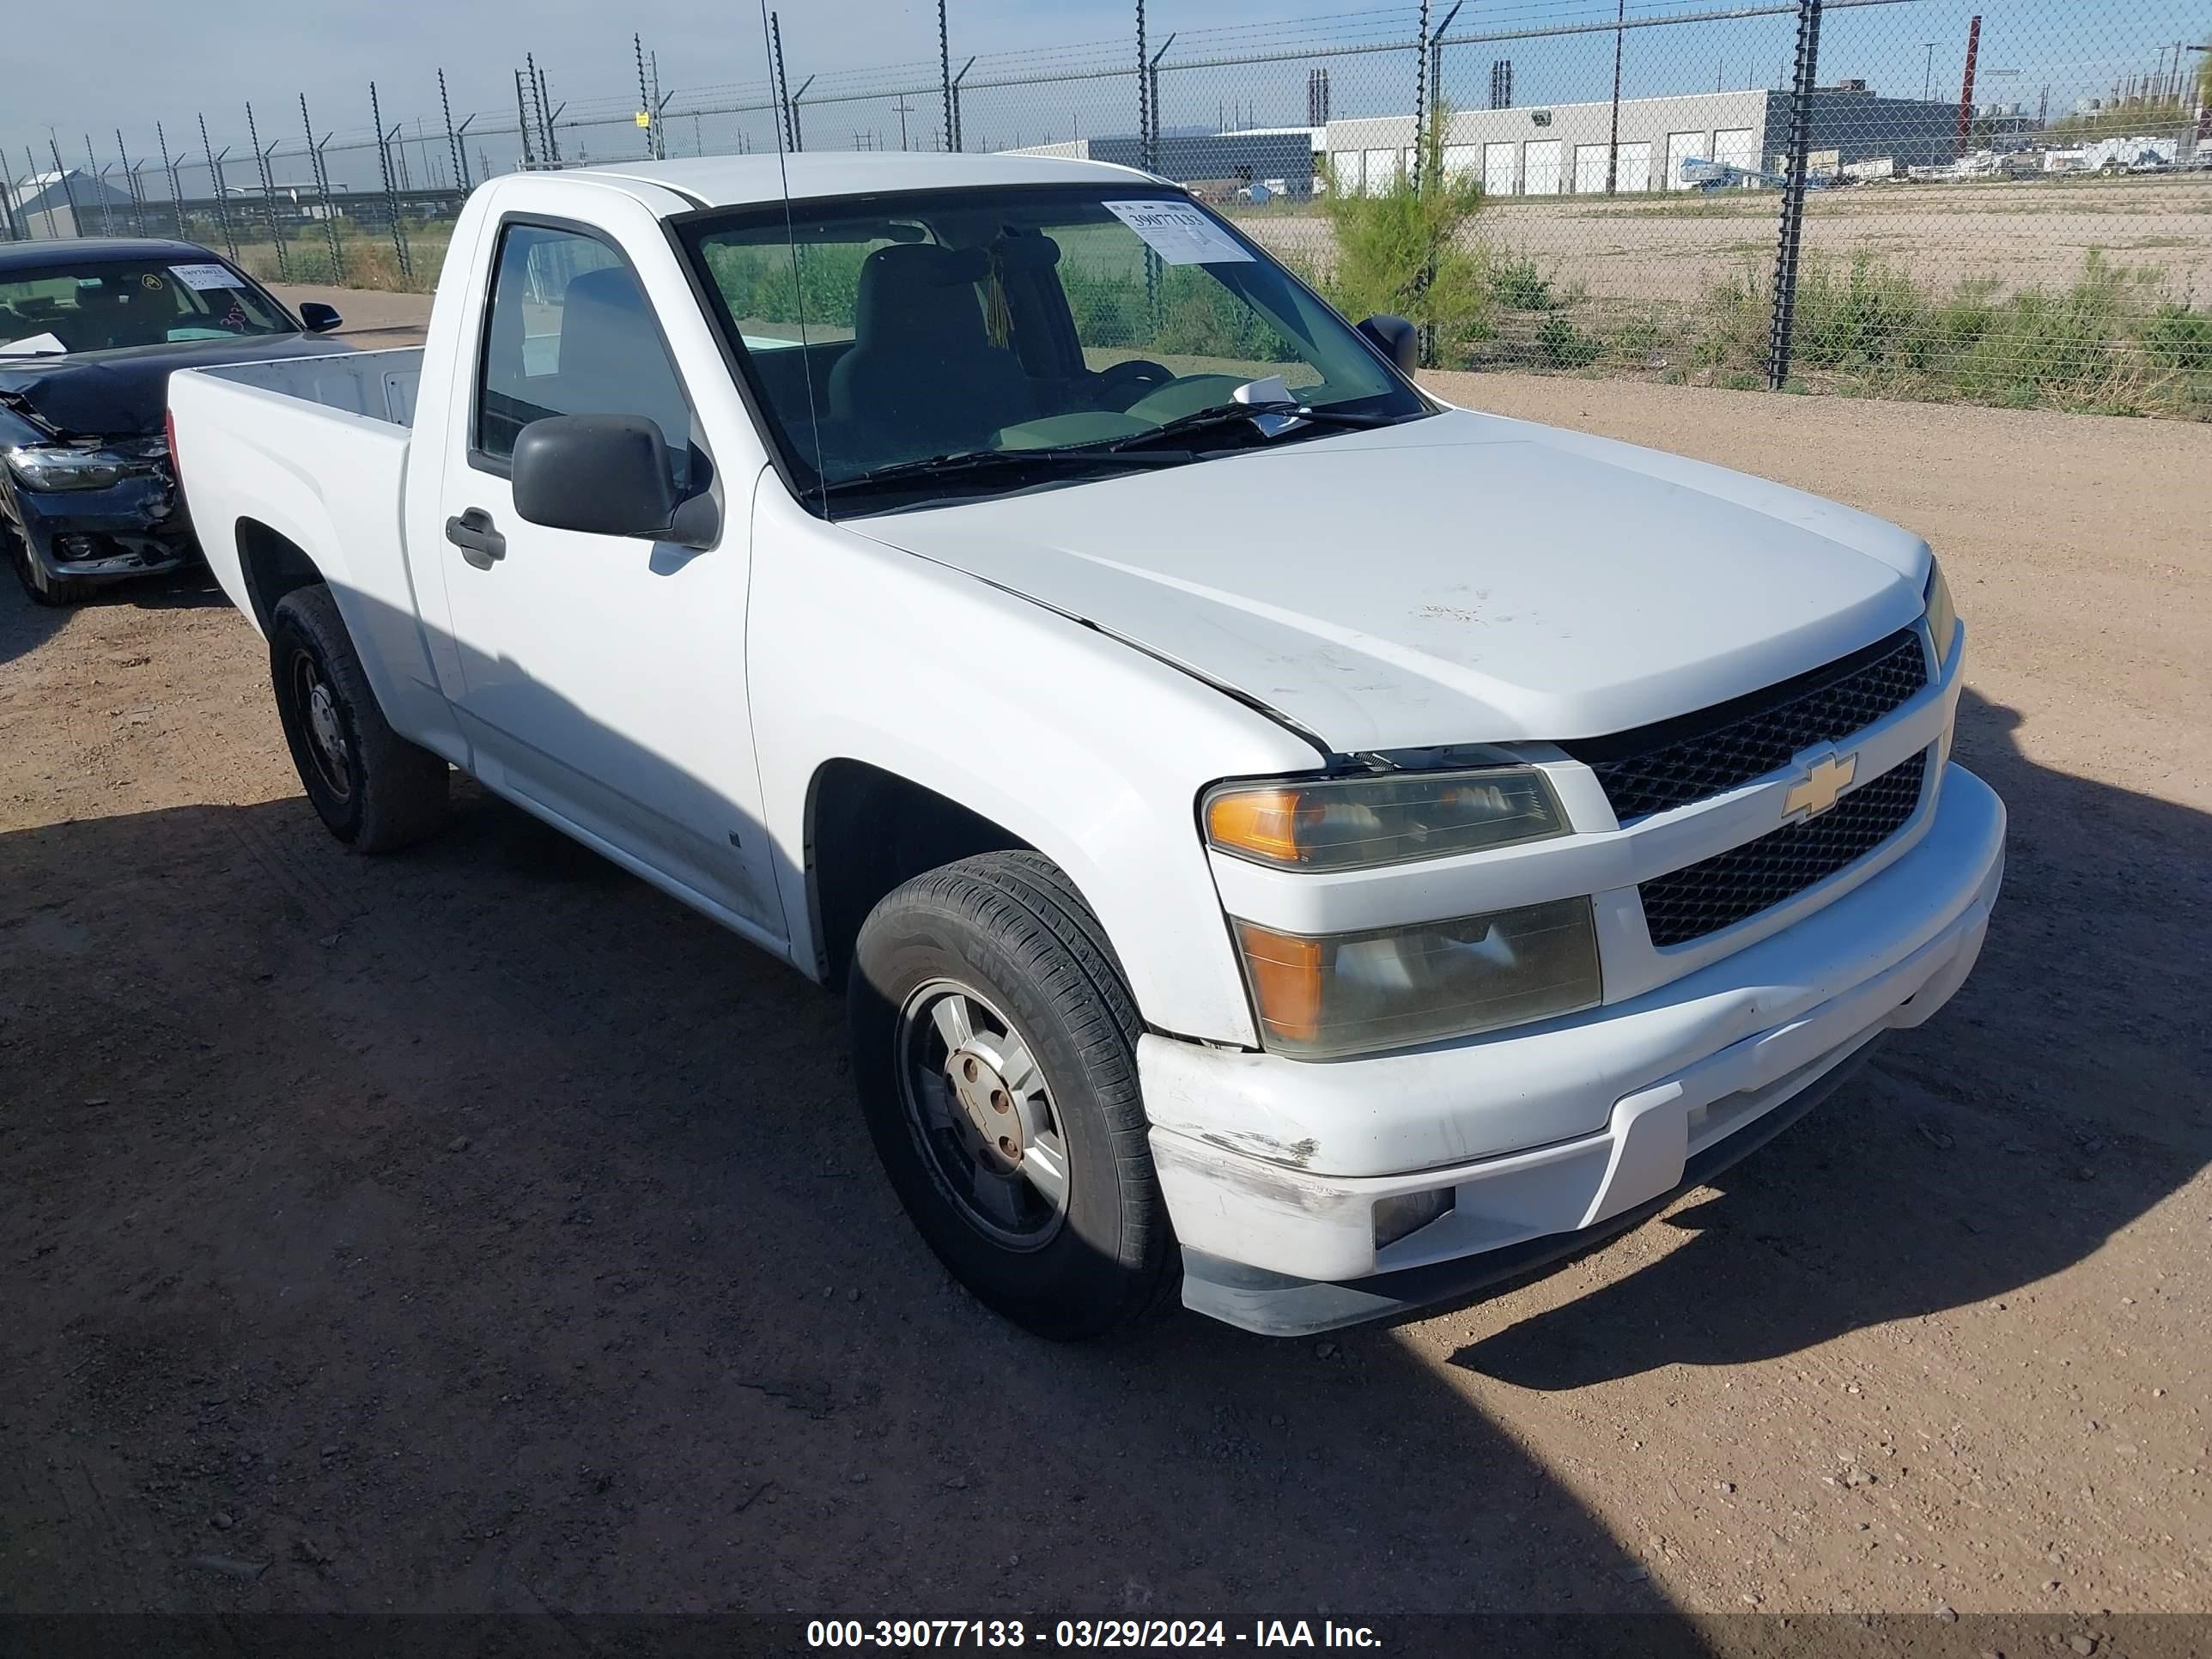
{"x": 1928, "y": 78}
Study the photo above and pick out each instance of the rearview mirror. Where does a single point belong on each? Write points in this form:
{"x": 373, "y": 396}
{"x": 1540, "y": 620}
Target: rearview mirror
{"x": 1396, "y": 339}
{"x": 605, "y": 475}
{"x": 317, "y": 318}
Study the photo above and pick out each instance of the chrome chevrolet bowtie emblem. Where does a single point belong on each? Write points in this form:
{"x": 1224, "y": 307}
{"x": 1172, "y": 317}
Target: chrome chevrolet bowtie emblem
{"x": 1818, "y": 790}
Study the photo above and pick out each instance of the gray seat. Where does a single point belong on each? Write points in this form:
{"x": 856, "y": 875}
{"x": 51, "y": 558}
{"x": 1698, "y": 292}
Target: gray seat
{"x": 922, "y": 376}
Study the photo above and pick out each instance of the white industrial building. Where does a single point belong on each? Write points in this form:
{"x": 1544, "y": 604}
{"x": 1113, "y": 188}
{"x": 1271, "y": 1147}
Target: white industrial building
{"x": 1564, "y": 149}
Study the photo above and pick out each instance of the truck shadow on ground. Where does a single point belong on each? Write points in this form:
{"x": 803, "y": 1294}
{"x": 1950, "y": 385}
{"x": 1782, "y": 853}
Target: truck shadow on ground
{"x": 477, "y": 1230}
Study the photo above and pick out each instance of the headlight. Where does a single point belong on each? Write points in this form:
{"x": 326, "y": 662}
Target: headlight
{"x": 1353, "y": 993}
{"x": 1354, "y": 823}
{"x": 54, "y": 466}
{"x": 1942, "y": 616}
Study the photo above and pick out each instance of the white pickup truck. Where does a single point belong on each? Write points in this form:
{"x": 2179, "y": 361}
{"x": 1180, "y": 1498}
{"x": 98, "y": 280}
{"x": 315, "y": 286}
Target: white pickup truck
{"x": 1280, "y": 836}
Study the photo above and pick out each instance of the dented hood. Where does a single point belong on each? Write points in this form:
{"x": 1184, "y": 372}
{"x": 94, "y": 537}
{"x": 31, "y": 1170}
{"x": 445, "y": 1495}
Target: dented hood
{"x": 125, "y": 394}
{"x": 1460, "y": 579}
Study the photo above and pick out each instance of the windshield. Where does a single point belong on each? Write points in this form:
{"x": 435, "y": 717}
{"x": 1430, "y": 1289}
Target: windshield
{"x": 898, "y": 328}
{"x": 110, "y": 305}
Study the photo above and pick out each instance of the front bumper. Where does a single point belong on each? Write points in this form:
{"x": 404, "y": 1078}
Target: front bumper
{"x": 135, "y": 527}
{"x": 1688, "y": 1076}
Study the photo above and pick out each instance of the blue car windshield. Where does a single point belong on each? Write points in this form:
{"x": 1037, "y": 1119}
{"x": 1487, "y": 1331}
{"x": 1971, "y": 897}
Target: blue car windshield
{"x": 111, "y": 305}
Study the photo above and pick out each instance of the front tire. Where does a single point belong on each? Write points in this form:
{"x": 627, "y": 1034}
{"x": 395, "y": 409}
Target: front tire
{"x": 994, "y": 1047}
{"x": 373, "y": 789}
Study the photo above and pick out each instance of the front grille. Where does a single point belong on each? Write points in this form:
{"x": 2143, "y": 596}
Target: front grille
{"x": 1721, "y": 890}
{"x": 1696, "y": 756}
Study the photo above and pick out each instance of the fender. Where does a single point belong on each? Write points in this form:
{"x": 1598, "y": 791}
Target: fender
{"x": 1091, "y": 752}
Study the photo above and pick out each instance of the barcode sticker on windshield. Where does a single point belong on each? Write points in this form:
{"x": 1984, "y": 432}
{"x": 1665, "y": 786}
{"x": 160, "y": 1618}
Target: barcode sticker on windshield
{"x": 203, "y": 277}
{"x": 1179, "y": 233}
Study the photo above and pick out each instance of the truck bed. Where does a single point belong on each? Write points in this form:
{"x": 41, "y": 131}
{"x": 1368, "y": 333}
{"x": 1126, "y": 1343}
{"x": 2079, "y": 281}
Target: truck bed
{"x": 380, "y": 385}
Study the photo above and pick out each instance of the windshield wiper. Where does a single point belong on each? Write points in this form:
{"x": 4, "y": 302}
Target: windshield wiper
{"x": 961, "y": 462}
{"x": 1229, "y": 417}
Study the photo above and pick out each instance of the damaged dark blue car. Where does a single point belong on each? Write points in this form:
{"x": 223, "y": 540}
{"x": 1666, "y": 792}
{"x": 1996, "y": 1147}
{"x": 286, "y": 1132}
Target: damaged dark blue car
{"x": 90, "y": 331}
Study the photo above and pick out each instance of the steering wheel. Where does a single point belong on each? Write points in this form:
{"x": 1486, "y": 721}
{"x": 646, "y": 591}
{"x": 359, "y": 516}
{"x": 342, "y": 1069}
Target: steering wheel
{"x": 1131, "y": 378}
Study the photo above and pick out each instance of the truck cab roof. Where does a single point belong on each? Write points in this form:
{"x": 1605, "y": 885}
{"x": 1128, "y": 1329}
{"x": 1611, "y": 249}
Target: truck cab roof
{"x": 742, "y": 180}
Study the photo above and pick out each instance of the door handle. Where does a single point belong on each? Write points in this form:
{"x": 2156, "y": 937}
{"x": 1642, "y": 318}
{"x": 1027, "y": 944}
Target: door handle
{"x": 481, "y": 544}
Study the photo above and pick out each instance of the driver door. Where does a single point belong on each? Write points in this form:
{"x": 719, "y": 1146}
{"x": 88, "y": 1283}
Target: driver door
{"x": 603, "y": 675}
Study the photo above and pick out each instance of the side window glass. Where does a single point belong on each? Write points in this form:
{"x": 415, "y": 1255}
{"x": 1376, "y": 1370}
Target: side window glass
{"x": 570, "y": 332}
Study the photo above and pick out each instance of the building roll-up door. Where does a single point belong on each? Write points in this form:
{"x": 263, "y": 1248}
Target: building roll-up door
{"x": 1498, "y": 168}
{"x": 1737, "y": 147}
{"x": 1683, "y": 147}
{"x": 1635, "y": 169}
{"x": 1542, "y": 163}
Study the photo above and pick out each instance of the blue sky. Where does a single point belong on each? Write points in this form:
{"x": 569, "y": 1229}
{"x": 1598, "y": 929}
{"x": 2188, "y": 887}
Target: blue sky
{"x": 162, "y": 61}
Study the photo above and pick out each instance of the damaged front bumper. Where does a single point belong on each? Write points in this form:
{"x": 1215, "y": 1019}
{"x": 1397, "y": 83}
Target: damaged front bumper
{"x": 133, "y": 527}
{"x": 1679, "y": 1082}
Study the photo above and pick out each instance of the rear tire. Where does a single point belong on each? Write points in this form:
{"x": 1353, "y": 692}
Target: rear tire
{"x": 373, "y": 790}
{"x": 54, "y": 591}
{"x": 1021, "y": 1153}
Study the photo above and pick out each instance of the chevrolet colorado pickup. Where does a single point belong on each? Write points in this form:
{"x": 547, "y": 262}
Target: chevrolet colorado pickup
{"x": 1281, "y": 837}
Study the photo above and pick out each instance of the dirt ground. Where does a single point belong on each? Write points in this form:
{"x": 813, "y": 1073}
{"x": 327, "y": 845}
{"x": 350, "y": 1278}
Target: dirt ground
{"x": 1661, "y": 247}
{"x": 475, "y": 1230}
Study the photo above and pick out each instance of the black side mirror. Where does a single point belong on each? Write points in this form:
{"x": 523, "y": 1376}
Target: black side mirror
{"x": 607, "y": 474}
{"x": 317, "y": 318}
{"x": 1396, "y": 339}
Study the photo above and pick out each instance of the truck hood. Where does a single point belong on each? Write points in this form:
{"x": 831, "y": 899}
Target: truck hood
{"x": 123, "y": 394}
{"x": 1462, "y": 578}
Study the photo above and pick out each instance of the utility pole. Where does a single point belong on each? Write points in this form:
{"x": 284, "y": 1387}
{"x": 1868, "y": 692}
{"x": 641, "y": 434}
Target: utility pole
{"x": 1928, "y": 73}
{"x": 903, "y": 109}
{"x": 1967, "y": 84}
{"x": 1613, "y": 149}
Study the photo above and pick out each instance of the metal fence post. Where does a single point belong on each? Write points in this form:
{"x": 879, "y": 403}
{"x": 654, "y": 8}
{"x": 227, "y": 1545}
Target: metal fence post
{"x": 323, "y": 190}
{"x": 944, "y": 70}
{"x": 1793, "y": 195}
{"x": 169, "y": 171}
{"x": 1421, "y": 99}
{"x": 222, "y": 195}
{"x": 783, "y": 80}
{"x": 453, "y": 139}
{"x": 131, "y": 180}
{"x": 61, "y": 177}
{"x": 1144, "y": 158}
{"x": 99, "y": 188}
{"x": 268, "y": 195}
{"x": 391, "y": 186}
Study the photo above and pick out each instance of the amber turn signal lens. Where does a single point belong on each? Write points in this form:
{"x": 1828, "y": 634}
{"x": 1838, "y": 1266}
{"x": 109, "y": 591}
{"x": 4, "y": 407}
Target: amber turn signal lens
{"x": 1285, "y": 975}
{"x": 1260, "y": 822}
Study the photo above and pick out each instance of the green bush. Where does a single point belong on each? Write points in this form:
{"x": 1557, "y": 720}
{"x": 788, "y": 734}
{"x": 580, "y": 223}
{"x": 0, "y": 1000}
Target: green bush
{"x": 1399, "y": 250}
{"x": 1565, "y": 346}
{"x": 2106, "y": 342}
{"x": 1516, "y": 285}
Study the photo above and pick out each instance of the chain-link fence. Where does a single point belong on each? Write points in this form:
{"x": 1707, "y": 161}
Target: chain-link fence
{"x": 2004, "y": 201}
